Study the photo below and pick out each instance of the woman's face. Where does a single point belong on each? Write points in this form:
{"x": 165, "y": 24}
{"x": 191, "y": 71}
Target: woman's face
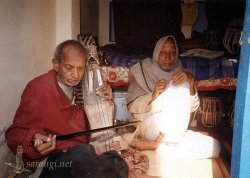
{"x": 167, "y": 57}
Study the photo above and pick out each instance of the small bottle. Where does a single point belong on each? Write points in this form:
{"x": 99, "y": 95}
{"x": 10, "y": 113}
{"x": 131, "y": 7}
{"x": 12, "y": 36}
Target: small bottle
{"x": 19, "y": 168}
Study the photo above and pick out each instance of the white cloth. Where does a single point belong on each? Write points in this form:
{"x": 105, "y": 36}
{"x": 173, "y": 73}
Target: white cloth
{"x": 170, "y": 114}
{"x": 194, "y": 145}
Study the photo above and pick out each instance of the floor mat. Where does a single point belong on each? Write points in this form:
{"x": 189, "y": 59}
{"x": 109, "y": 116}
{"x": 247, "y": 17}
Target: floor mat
{"x": 166, "y": 167}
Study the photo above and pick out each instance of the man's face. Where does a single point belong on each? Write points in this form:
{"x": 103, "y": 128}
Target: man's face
{"x": 167, "y": 57}
{"x": 72, "y": 66}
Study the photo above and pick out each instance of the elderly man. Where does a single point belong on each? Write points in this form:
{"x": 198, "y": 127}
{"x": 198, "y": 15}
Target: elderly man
{"x": 48, "y": 109}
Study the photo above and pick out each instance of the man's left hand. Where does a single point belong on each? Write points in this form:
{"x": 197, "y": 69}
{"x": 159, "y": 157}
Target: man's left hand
{"x": 105, "y": 91}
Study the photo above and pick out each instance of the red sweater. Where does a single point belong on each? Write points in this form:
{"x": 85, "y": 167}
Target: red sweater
{"x": 45, "y": 109}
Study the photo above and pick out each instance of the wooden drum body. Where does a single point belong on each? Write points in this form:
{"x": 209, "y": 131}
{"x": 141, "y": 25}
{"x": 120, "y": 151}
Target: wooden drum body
{"x": 211, "y": 111}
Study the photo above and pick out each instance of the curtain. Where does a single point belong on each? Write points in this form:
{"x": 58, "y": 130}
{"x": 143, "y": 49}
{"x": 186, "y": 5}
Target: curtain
{"x": 140, "y": 23}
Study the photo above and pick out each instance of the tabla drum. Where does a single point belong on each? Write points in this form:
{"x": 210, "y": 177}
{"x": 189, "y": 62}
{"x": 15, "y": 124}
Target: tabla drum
{"x": 211, "y": 111}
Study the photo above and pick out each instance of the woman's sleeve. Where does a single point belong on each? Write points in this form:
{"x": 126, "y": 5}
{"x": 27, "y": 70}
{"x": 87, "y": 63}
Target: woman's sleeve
{"x": 194, "y": 102}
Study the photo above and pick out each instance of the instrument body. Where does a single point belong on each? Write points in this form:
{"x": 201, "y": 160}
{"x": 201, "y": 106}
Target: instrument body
{"x": 100, "y": 112}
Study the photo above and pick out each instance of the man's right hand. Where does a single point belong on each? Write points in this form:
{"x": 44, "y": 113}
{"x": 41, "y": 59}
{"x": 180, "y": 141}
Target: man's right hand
{"x": 159, "y": 88}
{"x": 45, "y": 144}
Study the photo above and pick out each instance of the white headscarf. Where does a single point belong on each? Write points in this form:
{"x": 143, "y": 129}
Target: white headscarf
{"x": 145, "y": 74}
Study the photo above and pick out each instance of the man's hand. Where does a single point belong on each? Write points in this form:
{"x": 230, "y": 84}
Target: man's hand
{"x": 45, "y": 144}
{"x": 105, "y": 92}
{"x": 159, "y": 88}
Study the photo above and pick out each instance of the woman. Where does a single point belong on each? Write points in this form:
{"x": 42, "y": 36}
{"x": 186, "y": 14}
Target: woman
{"x": 162, "y": 95}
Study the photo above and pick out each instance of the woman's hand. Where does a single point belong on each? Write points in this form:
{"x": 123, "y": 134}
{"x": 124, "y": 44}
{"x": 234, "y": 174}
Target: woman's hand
{"x": 159, "y": 88}
{"x": 182, "y": 76}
